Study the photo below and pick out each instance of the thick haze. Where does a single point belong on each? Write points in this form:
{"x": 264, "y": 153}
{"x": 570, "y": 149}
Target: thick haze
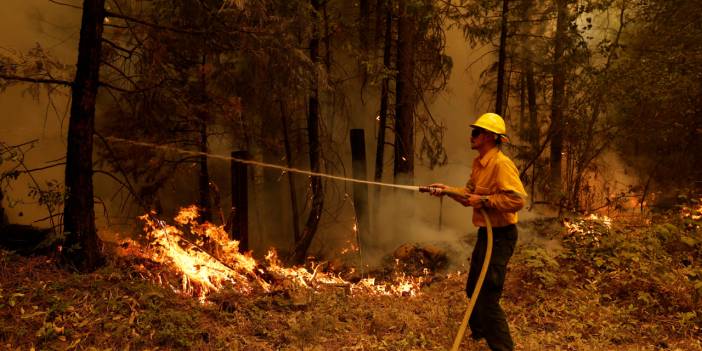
{"x": 24, "y": 23}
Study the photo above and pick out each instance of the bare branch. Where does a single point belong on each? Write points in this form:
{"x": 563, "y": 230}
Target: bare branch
{"x": 117, "y": 47}
{"x": 36, "y": 80}
{"x": 126, "y": 183}
{"x": 110, "y": 86}
{"x": 43, "y": 168}
{"x": 20, "y": 145}
{"x": 65, "y": 4}
{"x": 48, "y": 217}
{"x": 154, "y": 25}
{"x": 120, "y": 72}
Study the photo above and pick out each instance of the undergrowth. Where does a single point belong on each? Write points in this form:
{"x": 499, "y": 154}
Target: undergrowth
{"x": 608, "y": 286}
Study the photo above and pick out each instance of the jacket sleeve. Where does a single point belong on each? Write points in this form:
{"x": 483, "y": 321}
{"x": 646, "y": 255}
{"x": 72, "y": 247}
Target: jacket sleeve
{"x": 510, "y": 195}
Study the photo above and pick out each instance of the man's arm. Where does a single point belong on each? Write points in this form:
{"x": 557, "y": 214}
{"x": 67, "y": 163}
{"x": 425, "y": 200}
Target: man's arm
{"x": 511, "y": 196}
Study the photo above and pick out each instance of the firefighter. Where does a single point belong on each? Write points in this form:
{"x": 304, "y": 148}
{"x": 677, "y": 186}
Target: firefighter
{"x": 494, "y": 186}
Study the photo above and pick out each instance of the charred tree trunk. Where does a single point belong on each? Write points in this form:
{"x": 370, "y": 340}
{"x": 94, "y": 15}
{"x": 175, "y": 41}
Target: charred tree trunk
{"x": 3, "y": 217}
{"x": 240, "y": 199}
{"x": 82, "y": 245}
{"x": 301, "y": 247}
{"x": 533, "y": 109}
{"x": 384, "y": 98}
{"x": 380, "y": 11}
{"x": 360, "y": 191}
{"x": 364, "y": 25}
{"x": 557, "y": 100}
{"x": 204, "y": 175}
{"x": 405, "y": 97}
{"x": 291, "y": 177}
{"x": 522, "y": 104}
{"x": 500, "y": 93}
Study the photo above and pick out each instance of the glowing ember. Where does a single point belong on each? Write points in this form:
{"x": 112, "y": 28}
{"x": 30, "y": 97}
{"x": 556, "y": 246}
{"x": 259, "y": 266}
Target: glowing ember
{"x": 589, "y": 228}
{"x": 351, "y": 247}
{"x": 206, "y": 260}
{"x": 692, "y": 212}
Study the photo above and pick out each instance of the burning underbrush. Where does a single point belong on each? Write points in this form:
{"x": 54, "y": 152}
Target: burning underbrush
{"x": 198, "y": 259}
{"x": 606, "y": 285}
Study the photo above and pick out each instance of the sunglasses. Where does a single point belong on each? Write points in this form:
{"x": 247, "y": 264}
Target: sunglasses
{"x": 476, "y": 132}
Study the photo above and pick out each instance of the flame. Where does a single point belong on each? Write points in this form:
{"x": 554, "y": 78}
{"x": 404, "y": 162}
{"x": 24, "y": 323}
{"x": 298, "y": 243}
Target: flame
{"x": 693, "y": 212}
{"x": 206, "y": 260}
{"x": 585, "y": 226}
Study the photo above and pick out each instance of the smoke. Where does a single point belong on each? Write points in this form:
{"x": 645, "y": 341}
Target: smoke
{"x": 23, "y": 25}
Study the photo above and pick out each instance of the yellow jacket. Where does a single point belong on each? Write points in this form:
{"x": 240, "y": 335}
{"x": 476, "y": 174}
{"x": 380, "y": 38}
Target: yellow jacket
{"x": 496, "y": 176}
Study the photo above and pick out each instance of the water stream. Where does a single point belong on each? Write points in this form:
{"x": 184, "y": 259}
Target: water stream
{"x": 258, "y": 164}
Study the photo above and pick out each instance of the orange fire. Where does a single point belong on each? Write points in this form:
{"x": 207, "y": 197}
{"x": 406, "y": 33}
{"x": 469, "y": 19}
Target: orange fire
{"x": 583, "y": 226}
{"x": 693, "y": 212}
{"x": 206, "y": 260}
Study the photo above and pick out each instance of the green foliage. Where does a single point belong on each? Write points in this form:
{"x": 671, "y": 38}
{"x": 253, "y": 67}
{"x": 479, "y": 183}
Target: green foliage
{"x": 541, "y": 264}
{"x": 656, "y": 88}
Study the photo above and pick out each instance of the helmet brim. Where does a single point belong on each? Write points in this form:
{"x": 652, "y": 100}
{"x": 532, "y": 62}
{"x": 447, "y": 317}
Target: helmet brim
{"x": 504, "y": 138}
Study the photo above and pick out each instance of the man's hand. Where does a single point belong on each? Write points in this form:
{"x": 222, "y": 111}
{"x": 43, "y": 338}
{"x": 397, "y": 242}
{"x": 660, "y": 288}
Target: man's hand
{"x": 437, "y": 189}
{"x": 475, "y": 201}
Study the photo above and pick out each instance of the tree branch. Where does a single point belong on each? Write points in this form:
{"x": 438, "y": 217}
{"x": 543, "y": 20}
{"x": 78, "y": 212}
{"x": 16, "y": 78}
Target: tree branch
{"x": 117, "y": 47}
{"x": 110, "y": 86}
{"x": 36, "y": 80}
{"x": 43, "y": 168}
{"x": 154, "y": 25}
{"x": 65, "y": 4}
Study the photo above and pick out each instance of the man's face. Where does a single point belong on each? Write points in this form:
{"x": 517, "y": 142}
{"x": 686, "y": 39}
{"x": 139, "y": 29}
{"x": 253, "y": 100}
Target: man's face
{"x": 477, "y": 138}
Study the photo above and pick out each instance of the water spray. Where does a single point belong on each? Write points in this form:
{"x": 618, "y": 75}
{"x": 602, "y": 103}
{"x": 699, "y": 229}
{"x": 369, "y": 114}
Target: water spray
{"x": 263, "y": 164}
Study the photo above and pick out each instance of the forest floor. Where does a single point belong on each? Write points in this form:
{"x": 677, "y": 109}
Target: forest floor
{"x": 619, "y": 285}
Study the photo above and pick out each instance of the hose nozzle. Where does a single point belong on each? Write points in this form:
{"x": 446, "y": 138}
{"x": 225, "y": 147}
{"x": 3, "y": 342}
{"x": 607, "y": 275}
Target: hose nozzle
{"x": 429, "y": 189}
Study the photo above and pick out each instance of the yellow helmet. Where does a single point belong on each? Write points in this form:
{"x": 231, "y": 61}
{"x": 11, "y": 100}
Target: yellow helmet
{"x": 492, "y": 122}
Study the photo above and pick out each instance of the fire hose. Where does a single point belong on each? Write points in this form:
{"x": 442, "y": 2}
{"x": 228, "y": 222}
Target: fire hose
{"x": 481, "y": 277}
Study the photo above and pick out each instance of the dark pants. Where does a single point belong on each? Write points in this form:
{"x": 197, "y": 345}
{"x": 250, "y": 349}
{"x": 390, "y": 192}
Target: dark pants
{"x": 488, "y": 319}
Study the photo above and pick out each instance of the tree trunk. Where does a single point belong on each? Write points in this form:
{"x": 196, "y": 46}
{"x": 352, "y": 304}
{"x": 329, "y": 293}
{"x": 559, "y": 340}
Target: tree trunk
{"x": 204, "y": 175}
{"x": 291, "y": 177}
{"x": 381, "y": 7}
{"x": 3, "y": 218}
{"x": 301, "y": 247}
{"x": 82, "y": 245}
{"x": 500, "y": 93}
{"x": 522, "y": 104}
{"x": 557, "y": 99}
{"x": 405, "y": 97}
{"x": 534, "y": 130}
{"x": 384, "y": 97}
{"x": 364, "y": 25}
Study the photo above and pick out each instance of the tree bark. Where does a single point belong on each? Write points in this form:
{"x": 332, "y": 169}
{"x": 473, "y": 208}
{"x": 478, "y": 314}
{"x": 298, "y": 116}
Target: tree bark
{"x": 557, "y": 99}
{"x": 534, "y": 130}
{"x": 364, "y": 25}
{"x": 82, "y": 245}
{"x": 500, "y": 92}
{"x": 405, "y": 97}
{"x": 301, "y": 247}
{"x": 291, "y": 177}
{"x": 522, "y": 104}
{"x": 384, "y": 98}
{"x": 204, "y": 176}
